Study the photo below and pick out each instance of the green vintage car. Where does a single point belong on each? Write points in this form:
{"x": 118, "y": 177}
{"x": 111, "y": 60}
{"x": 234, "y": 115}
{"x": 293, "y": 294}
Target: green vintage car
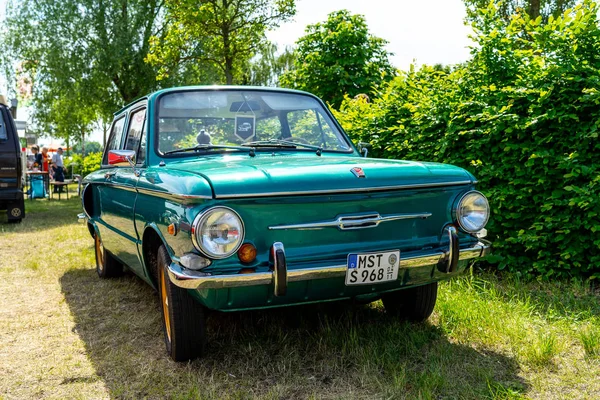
{"x": 238, "y": 198}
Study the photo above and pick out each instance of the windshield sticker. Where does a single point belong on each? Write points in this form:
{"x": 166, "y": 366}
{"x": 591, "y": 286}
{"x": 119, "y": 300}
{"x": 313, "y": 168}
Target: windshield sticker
{"x": 244, "y": 127}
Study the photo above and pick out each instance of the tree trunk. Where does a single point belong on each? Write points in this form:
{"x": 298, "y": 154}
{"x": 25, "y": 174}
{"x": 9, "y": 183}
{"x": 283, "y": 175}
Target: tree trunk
{"x": 82, "y": 142}
{"x": 229, "y": 71}
{"x": 225, "y": 30}
{"x": 534, "y": 8}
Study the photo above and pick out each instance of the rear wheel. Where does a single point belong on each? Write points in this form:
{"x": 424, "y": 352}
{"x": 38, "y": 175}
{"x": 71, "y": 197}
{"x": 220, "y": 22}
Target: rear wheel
{"x": 184, "y": 325}
{"x": 414, "y": 304}
{"x": 106, "y": 265}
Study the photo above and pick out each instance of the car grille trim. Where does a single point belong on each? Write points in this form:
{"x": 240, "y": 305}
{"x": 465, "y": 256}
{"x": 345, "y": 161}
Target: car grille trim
{"x": 353, "y": 222}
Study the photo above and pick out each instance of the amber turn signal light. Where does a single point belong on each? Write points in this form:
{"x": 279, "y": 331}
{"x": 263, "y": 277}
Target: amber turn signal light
{"x": 247, "y": 253}
{"x": 172, "y": 229}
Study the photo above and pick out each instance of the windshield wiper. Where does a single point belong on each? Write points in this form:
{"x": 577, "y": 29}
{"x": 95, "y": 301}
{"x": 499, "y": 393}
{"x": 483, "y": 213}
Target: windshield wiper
{"x": 283, "y": 144}
{"x": 210, "y": 147}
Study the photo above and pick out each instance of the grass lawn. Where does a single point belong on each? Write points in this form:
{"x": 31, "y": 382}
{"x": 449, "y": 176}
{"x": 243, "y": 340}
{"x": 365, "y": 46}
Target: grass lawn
{"x": 66, "y": 334}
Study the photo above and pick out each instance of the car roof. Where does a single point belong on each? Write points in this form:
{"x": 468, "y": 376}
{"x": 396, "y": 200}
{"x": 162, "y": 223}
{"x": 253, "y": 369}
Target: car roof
{"x": 155, "y": 94}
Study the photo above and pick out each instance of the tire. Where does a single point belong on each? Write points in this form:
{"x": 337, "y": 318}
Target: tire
{"x": 414, "y": 304}
{"x": 183, "y": 320}
{"x": 106, "y": 265}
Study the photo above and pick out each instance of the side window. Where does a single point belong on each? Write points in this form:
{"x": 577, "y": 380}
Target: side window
{"x": 141, "y": 155}
{"x": 3, "y": 134}
{"x": 116, "y": 136}
{"x": 136, "y": 133}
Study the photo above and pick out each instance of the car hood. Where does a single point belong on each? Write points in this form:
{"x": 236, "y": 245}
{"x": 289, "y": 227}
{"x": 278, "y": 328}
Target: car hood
{"x": 272, "y": 175}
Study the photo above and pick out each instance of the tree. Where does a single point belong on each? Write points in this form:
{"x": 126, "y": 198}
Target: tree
{"x": 90, "y": 147}
{"x": 339, "y": 57}
{"x": 55, "y": 114}
{"x": 268, "y": 66}
{"x": 534, "y": 8}
{"x": 85, "y": 57}
{"x": 522, "y": 115}
{"x": 220, "y": 37}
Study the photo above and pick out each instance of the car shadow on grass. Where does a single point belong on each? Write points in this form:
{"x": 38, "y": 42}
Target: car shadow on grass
{"x": 327, "y": 350}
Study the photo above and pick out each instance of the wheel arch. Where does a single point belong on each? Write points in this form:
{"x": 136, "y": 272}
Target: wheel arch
{"x": 152, "y": 239}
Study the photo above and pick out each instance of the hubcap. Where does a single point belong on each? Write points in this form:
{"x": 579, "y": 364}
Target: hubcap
{"x": 165, "y": 303}
{"x": 15, "y": 212}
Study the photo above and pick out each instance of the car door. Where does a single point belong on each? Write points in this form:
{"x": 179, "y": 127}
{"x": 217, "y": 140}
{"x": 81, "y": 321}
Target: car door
{"x": 114, "y": 197}
{"x": 124, "y": 183}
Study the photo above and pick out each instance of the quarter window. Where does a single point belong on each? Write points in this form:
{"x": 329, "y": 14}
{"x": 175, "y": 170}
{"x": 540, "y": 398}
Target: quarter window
{"x": 136, "y": 132}
{"x": 115, "y": 139}
{"x": 141, "y": 155}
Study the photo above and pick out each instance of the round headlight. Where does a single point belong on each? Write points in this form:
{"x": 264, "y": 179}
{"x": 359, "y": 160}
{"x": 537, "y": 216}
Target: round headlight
{"x": 218, "y": 232}
{"x": 472, "y": 212}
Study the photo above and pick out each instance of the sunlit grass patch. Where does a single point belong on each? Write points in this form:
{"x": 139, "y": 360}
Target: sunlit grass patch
{"x": 541, "y": 350}
{"x": 590, "y": 340}
{"x": 499, "y": 392}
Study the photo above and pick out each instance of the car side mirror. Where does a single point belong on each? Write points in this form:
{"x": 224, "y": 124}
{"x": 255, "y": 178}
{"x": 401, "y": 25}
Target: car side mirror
{"x": 121, "y": 158}
{"x": 363, "y": 147}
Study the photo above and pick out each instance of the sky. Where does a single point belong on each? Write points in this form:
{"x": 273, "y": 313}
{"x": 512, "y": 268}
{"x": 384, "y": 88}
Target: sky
{"x": 418, "y": 31}
{"x": 428, "y": 31}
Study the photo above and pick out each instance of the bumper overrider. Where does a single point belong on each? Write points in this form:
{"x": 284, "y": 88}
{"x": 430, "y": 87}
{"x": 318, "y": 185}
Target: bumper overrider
{"x": 446, "y": 261}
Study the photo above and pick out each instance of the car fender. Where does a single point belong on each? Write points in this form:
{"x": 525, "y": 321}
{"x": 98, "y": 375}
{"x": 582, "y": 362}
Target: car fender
{"x": 151, "y": 238}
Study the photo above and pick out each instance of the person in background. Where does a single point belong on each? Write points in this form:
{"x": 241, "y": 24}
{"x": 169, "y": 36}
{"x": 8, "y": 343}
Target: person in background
{"x": 45, "y": 159}
{"x": 58, "y": 167}
{"x": 45, "y": 163}
{"x": 37, "y": 157}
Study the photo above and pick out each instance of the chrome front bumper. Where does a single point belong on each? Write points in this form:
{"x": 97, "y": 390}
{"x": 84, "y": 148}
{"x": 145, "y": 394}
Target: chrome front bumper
{"x": 188, "y": 279}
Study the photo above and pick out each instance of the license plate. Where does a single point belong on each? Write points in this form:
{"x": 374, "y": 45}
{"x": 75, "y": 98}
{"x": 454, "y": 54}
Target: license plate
{"x": 367, "y": 268}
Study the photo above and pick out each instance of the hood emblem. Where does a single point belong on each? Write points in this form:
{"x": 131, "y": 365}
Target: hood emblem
{"x": 358, "y": 172}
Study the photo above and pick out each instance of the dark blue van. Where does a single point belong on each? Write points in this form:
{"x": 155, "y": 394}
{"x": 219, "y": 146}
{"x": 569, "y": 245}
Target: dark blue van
{"x": 11, "y": 184}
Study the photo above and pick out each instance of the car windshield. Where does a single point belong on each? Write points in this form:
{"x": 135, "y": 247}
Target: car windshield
{"x": 263, "y": 119}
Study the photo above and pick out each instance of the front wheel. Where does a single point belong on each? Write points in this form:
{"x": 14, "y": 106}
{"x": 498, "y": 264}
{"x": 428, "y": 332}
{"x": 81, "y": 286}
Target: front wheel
{"x": 414, "y": 304}
{"x": 184, "y": 325}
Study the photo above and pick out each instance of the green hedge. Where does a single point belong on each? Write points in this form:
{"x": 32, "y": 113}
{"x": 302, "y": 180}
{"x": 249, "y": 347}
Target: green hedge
{"x": 523, "y": 116}
{"x": 83, "y": 165}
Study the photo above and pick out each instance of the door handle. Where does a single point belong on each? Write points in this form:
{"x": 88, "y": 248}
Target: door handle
{"x": 109, "y": 175}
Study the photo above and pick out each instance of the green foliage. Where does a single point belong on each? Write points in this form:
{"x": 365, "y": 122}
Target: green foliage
{"x": 534, "y": 8}
{"x": 268, "y": 66}
{"x": 83, "y": 165}
{"x": 338, "y": 57}
{"x": 84, "y": 58}
{"x": 73, "y": 164}
{"x": 216, "y": 38}
{"x": 523, "y": 116}
{"x": 90, "y": 147}
{"x": 91, "y": 163}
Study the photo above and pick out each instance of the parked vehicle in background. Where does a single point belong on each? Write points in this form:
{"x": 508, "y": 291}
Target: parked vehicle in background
{"x": 11, "y": 167}
{"x": 238, "y": 198}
